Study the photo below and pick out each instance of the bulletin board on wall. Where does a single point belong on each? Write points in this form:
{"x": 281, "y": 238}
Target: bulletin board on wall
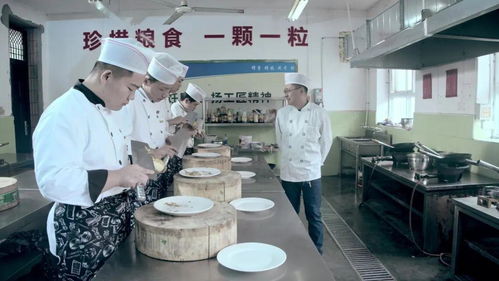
{"x": 241, "y": 86}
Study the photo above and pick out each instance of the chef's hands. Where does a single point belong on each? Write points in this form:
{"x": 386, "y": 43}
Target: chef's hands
{"x": 177, "y": 120}
{"x": 132, "y": 175}
{"x": 166, "y": 150}
{"x": 128, "y": 176}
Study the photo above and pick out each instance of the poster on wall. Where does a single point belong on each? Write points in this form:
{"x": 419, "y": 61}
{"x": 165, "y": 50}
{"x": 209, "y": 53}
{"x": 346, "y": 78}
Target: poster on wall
{"x": 427, "y": 94}
{"x": 451, "y": 83}
{"x": 246, "y": 91}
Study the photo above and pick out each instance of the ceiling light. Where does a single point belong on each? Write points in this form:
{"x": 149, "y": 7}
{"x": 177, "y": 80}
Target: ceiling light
{"x": 298, "y": 7}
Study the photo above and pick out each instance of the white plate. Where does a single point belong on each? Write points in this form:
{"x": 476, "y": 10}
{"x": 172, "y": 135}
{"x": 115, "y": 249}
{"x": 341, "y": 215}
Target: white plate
{"x": 209, "y": 145}
{"x": 241, "y": 159}
{"x": 183, "y": 205}
{"x": 251, "y": 257}
{"x": 246, "y": 174}
{"x": 252, "y": 204}
{"x": 199, "y": 172}
{"x": 206, "y": 154}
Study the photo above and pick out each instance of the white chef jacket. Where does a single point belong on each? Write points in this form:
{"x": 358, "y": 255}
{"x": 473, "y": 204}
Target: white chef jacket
{"x": 177, "y": 109}
{"x": 146, "y": 121}
{"x": 72, "y": 137}
{"x": 304, "y": 138}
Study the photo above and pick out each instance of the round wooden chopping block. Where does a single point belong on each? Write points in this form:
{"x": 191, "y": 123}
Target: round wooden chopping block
{"x": 224, "y": 150}
{"x": 221, "y": 163}
{"x": 197, "y": 237}
{"x": 221, "y": 188}
{"x": 9, "y": 195}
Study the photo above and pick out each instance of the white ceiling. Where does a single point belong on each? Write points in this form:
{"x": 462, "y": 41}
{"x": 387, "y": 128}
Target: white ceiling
{"x": 59, "y": 7}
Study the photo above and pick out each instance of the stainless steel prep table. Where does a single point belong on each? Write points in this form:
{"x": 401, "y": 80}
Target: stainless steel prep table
{"x": 32, "y": 211}
{"x": 279, "y": 226}
{"x": 387, "y": 191}
{"x": 475, "y": 251}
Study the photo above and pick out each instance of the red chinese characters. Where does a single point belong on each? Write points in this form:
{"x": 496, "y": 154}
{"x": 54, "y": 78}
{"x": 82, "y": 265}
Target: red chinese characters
{"x": 297, "y": 36}
{"x": 172, "y": 38}
{"x": 146, "y": 37}
{"x": 91, "y": 40}
{"x": 242, "y": 35}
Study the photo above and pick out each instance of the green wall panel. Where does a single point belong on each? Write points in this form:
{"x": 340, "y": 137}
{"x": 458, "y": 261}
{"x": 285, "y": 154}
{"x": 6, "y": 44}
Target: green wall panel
{"x": 7, "y": 134}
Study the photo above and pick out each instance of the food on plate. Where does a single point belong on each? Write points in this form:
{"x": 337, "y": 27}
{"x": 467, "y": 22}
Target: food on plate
{"x": 198, "y": 173}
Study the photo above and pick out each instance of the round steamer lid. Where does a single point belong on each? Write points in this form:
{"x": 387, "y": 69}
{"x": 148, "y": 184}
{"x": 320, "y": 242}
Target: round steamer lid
{"x": 5, "y": 181}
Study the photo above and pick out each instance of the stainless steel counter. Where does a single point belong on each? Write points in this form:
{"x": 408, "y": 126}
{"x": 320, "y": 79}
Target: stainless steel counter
{"x": 279, "y": 226}
{"x": 32, "y": 211}
{"x": 406, "y": 175}
{"x": 12, "y": 163}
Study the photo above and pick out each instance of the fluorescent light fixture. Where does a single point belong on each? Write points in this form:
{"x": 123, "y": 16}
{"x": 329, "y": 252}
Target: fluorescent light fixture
{"x": 298, "y": 7}
{"x": 99, "y": 6}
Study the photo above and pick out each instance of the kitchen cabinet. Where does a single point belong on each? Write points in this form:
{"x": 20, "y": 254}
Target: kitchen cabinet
{"x": 388, "y": 190}
{"x": 475, "y": 249}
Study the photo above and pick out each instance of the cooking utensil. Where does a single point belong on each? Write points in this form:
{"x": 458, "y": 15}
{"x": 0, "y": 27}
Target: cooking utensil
{"x": 418, "y": 161}
{"x": 252, "y": 204}
{"x": 206, "y": 154}
{"x": 200, "y": 172}
{"x": 425, "y": 148}
{"x": 141, "y": 157}
{"x": 398, "y": 151}
{"x": 183, "y": 205}
{"x": 241, "y": 159}
{"x": 246, "y": 174}
{"x": 9, "y": 194}
{"x": 251, "y": 257}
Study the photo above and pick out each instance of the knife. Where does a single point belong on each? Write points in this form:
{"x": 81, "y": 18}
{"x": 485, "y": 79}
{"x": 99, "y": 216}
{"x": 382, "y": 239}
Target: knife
{"x": 141, "y": 157}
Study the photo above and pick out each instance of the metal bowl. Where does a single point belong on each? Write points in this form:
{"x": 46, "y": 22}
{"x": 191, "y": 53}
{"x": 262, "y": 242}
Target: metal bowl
{"x": 418, "y": 161}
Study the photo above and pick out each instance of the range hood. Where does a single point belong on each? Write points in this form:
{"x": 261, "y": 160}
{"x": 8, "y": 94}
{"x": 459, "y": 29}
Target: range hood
{"x": 464, "y": 30}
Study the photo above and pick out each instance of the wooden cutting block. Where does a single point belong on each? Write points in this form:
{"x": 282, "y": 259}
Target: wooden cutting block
{"x": 9, "y": 195}
{"x": 197, "y": 237}
{"x": 221, "y": 163}
{"x": 221, "y": 188}
{"x": 224, "y": 150}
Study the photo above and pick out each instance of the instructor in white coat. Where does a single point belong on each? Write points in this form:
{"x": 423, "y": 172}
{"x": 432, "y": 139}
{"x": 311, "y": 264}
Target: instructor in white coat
{"x": 304, "y": 136}
{"x": 81, "y": 163}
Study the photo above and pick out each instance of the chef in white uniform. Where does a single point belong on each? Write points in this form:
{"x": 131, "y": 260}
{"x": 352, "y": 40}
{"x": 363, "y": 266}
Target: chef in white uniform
{"x": 147, "y": 118}
{"x": 303, "y": 132}
{"x": 81, "y": 162}
{"x": 148, "y": 115}
{"x": 185, "y": 107}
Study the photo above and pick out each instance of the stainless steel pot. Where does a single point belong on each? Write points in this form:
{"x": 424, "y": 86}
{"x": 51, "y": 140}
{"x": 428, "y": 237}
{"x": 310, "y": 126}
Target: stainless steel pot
{"x": 418, "y": 161}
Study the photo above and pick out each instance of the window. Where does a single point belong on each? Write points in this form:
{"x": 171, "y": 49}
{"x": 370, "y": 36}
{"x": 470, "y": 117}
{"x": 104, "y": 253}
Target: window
{"x": 401, "y": 96}
{"x": 488, "y": 93}
{"x": 16, "y": 45}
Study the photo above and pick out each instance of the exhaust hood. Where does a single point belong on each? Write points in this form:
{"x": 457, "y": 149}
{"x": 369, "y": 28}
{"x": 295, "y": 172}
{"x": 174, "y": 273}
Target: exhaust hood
{"x": 464, "y": 30}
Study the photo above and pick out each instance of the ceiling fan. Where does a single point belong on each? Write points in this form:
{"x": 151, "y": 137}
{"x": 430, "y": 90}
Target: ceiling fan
{"x": 184, "y": 8}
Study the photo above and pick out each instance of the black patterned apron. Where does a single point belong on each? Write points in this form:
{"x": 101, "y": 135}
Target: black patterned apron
{"x": 166, "y": 179}
{"x": 86, "y": 237}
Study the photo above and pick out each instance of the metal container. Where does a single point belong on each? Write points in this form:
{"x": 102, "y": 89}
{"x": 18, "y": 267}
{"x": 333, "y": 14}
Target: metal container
{"x": 418, "y": 161}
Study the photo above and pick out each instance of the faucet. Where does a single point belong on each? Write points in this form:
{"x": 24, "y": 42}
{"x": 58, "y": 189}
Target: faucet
{"x": 4, "y": 144}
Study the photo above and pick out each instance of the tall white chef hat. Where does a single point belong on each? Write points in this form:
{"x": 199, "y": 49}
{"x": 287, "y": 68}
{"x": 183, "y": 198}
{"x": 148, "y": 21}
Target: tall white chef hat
{"x": 296, "y": 78}
{"x": 184, "y": 70}
{"x": 195, "y": 92}
{"x": 166, "y": 68}
{"x": 125, "y": 53}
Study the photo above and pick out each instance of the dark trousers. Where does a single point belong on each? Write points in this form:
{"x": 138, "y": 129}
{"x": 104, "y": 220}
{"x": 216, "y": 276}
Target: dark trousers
{"x": 312, "y": 201}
